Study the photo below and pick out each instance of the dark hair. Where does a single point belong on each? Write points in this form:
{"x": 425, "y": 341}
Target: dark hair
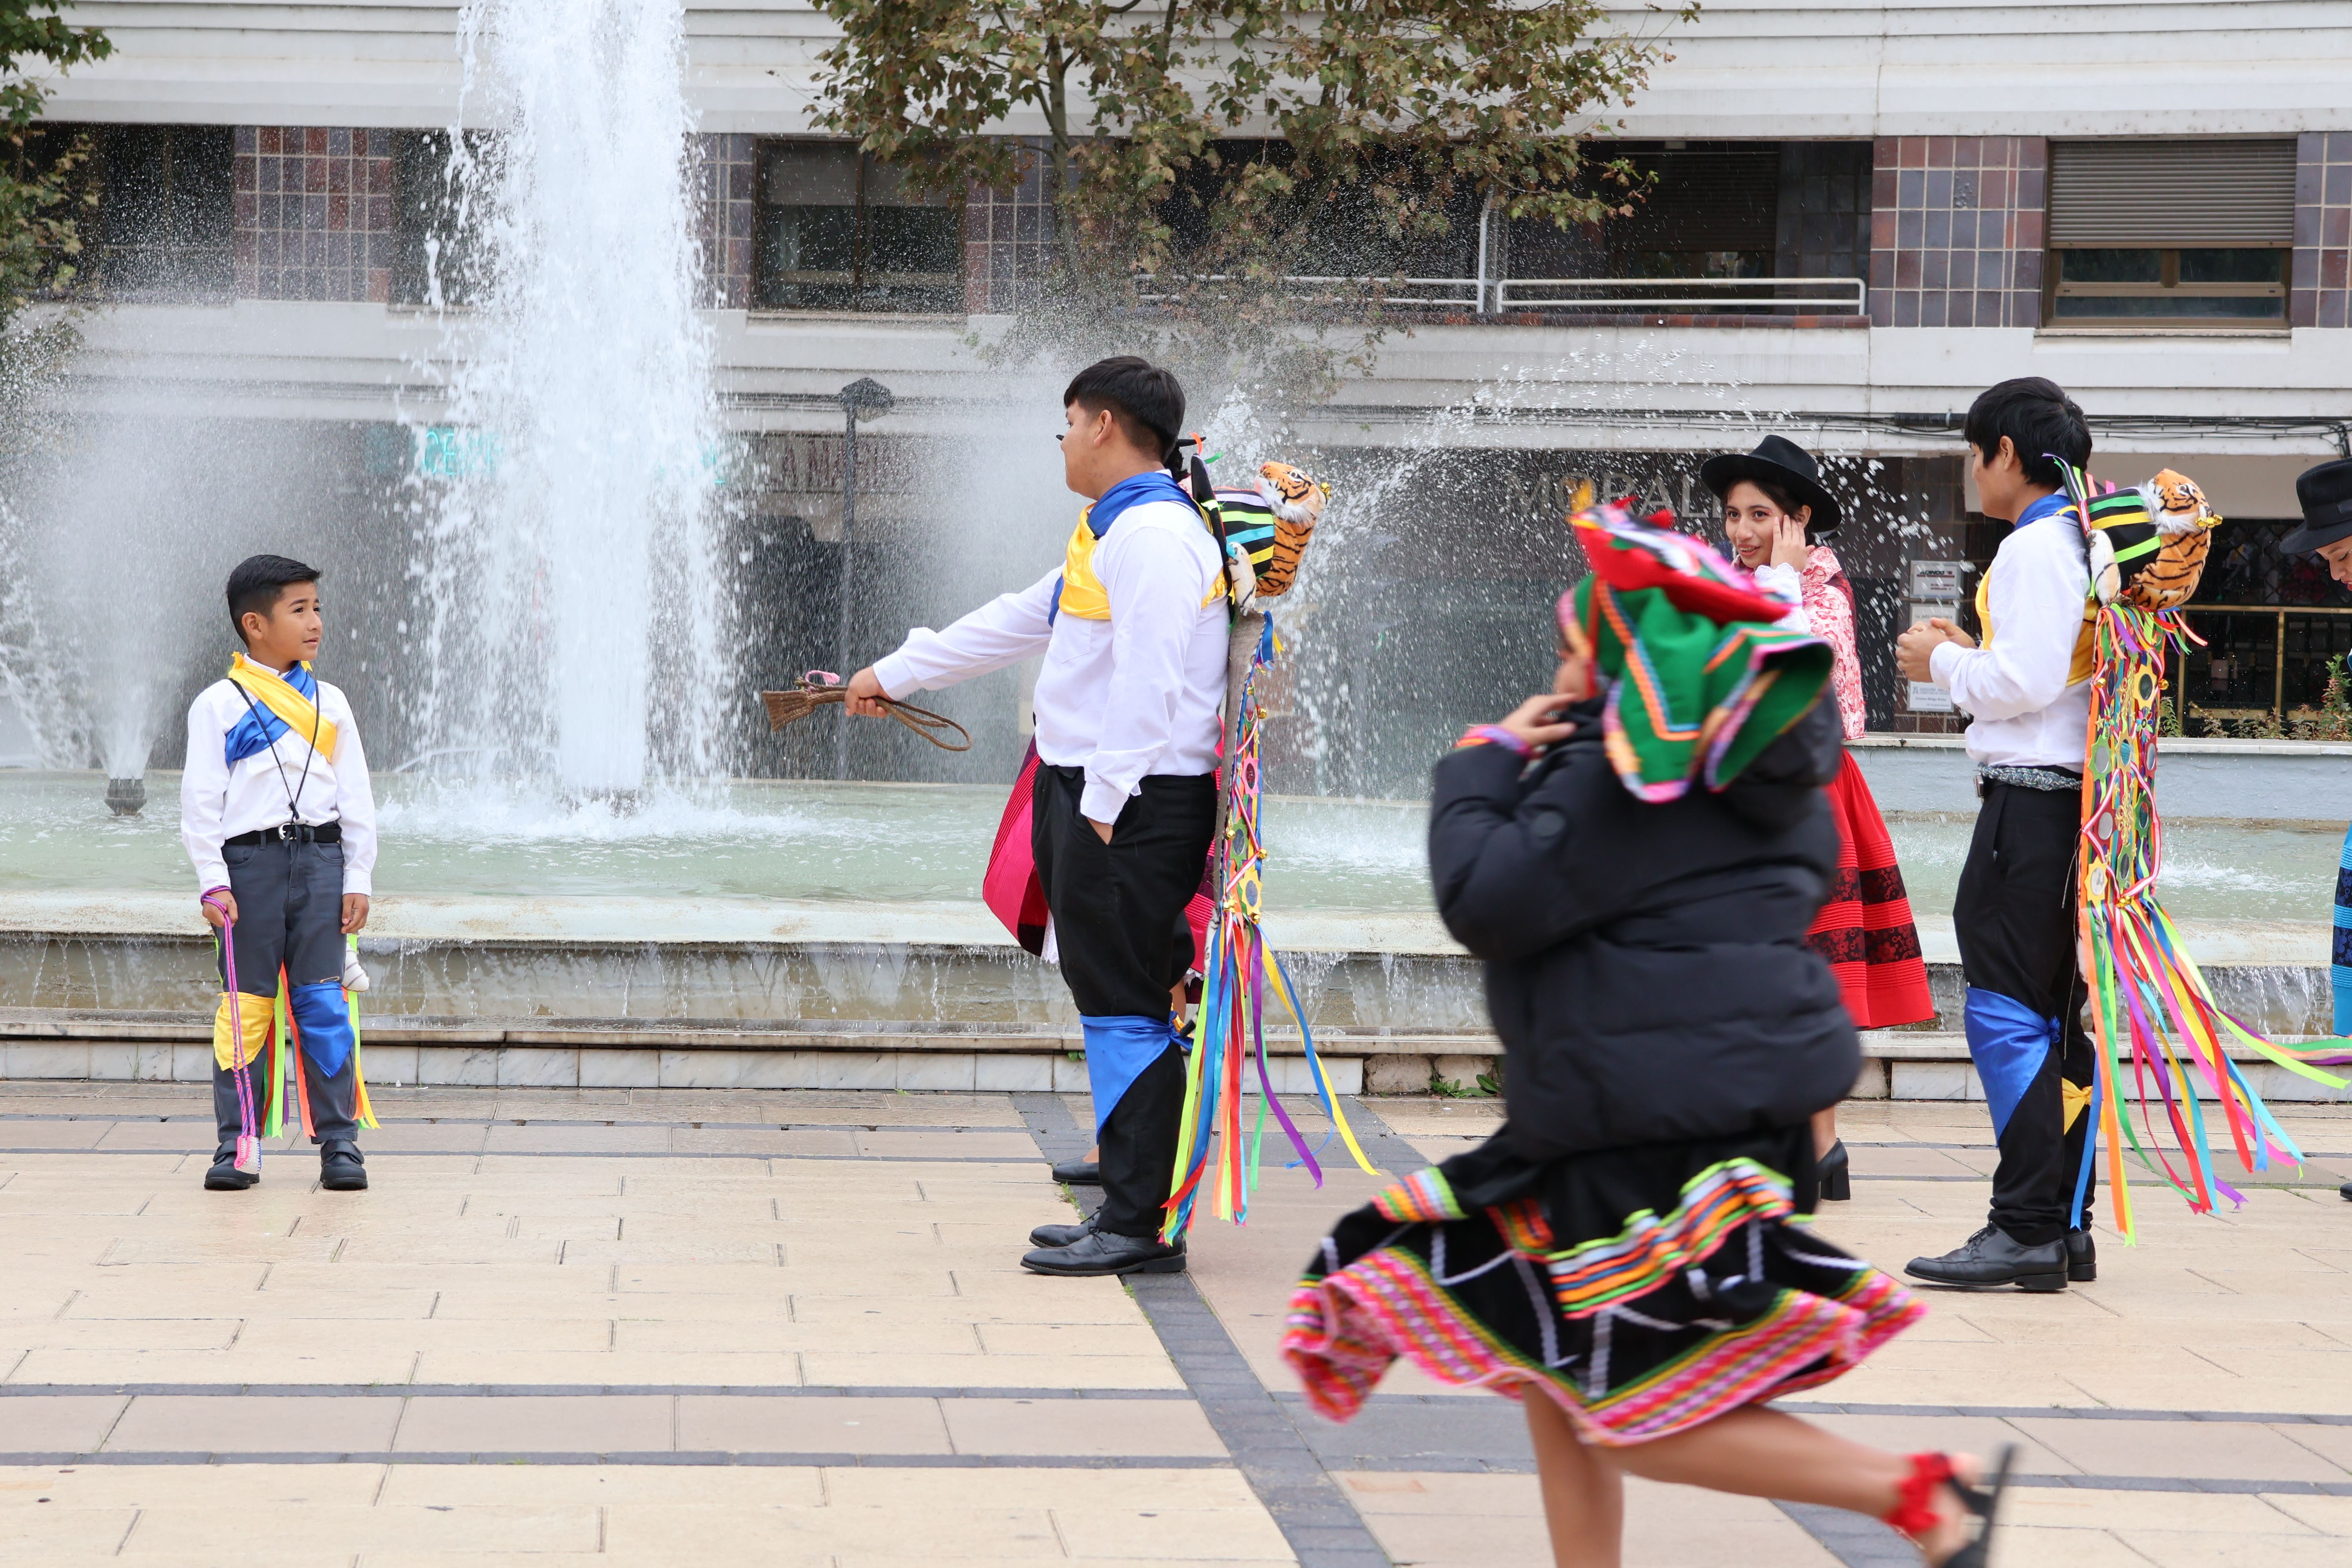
{"x": 2039, "y": 420}
{"x": 257, "y": 582}
{"x": 1779, "y": 494}
{"x": 1147, "y": 401}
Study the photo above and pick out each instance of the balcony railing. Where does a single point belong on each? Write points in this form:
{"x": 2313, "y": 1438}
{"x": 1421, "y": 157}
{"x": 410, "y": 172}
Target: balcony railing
{"x": 1644, "y": 296}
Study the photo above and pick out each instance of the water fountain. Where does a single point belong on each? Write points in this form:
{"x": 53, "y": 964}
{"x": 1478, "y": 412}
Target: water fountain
{"x": 542, "y": 667}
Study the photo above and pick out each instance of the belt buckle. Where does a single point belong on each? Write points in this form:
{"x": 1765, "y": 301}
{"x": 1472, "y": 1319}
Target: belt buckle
{"x": 287, "y": 832}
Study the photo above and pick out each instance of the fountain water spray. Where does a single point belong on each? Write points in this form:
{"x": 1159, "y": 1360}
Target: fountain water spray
{"x": 568, "y": 546}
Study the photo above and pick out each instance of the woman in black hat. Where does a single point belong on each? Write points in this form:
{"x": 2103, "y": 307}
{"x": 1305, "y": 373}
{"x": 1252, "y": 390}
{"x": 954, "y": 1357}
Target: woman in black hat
{"x": 2324, "y": 494}
{"x": 1776, "y": 512}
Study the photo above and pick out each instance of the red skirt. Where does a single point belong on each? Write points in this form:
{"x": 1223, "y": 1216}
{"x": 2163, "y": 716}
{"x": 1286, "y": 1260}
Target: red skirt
{"x": 1864, "y": 930}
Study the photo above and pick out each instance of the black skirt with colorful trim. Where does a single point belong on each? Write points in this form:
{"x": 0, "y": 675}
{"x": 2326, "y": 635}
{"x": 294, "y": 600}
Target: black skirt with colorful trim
{"x": 1645, "y": 1291}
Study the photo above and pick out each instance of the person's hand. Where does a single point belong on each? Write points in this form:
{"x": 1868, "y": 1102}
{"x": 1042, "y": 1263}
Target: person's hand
{"x": 864, "y": 694}
{"x": 355, "y": 912}
{"x": 1915, "y": 649}
{"x": 1102, "y": 829}
{"x": 1788, "y": 546}
{"x": 220, "y": 908}
{"x": 1532, "y": 721}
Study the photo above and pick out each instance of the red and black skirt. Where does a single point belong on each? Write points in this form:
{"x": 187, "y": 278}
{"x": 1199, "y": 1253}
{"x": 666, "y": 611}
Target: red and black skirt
{"x": 1864, "y": 930}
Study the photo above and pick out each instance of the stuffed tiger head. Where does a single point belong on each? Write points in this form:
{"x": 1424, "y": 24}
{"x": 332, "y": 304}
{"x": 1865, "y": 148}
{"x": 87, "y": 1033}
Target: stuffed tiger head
{"x": 2147, "y": 546}
{"x": 1296, "y": 498}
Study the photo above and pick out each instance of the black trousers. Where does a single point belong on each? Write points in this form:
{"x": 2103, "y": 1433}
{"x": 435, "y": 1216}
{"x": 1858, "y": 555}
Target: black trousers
{"x": 289, "y": 913}
{"x": 1118, "y": 927}
{"x": 2014, "y": 916}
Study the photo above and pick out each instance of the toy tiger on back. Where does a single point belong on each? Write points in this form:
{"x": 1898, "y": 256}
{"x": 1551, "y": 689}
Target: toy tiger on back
{"x": 2149, "y": 545}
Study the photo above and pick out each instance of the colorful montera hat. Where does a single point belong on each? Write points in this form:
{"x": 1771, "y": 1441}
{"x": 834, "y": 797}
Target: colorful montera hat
{"x": 1700, "y": 678}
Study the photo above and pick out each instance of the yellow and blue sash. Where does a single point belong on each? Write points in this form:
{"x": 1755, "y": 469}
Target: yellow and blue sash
{"x": 1080, "y": 592}
{"x": 289, "y": 701}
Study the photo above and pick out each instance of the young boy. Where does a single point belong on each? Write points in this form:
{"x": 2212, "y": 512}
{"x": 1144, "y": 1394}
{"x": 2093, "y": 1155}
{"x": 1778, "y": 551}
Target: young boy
{"x": 276, "y": 814}
{"x": 2028, "y": 691}
{"x": 1133, "y": 626}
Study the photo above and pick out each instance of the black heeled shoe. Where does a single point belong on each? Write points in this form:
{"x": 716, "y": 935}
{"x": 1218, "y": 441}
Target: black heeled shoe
{"x": 1985, "y": 1503}
{"x": 1833, "y": 1172}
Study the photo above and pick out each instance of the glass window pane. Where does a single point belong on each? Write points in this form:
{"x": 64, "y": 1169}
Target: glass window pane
{"x": 2110, "y": 267}
{"x": 2169, "y": 306}
{"x": 2231, "y": 266}
{"x": 811, "y": 174}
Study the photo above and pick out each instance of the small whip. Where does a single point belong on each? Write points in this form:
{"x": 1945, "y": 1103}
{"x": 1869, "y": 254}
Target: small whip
{"x": 819, "y": 687}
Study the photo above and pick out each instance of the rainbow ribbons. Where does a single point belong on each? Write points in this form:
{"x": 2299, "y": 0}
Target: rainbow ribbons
{"x": 2151, "y": 1009}
{"x": 1243, "y": 974}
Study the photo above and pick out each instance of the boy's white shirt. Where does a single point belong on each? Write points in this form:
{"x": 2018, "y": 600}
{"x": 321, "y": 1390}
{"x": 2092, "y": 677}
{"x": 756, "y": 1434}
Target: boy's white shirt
{"x": 217, "y": 802}
{"x": 1123, "y": 699}
{"x": 2023, "y": 713}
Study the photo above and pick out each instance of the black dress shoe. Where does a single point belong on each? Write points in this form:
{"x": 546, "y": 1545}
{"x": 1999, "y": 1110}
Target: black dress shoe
{"x": 2081, "y": 1257}
{"x": 1833, "y": 1170}
{"x": 1059, "y": 1234}
{"x": 2344, "y": 1191}
{"x": 1990, "y": 1257}
{"x": 1107, "y": 1252}
{"x": 341, "y": 1168}
{"x": 222, "y": 1176}
{"x": 1080, "y": 1173}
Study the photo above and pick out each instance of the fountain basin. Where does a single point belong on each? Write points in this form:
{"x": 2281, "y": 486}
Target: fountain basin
{"x": 644, "y": 951}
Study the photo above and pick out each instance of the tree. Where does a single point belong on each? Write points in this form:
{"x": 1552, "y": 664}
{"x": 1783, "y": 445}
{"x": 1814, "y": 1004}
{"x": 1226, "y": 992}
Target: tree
{"x": 42, "y": 195}
{"x": 1210, "y": 147}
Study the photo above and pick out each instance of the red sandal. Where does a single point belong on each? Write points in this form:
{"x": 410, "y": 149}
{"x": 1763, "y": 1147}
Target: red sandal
{"x": 1914, "y": 1511}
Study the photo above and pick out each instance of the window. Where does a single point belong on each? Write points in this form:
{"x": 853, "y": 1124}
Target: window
{"x": 430, "y": 246}
{"x": 166, "y": 217}
{"x": 838, "y": 231}
{"x": 2150, "y": 234}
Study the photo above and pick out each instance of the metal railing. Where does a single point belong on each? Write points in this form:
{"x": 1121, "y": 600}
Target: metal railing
{"x": 2279, "y": 615}
{"x": 1711, "y": 296}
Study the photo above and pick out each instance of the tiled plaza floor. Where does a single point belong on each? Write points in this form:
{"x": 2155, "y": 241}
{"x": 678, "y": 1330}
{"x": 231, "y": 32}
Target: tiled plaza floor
{"x": 789, "y": 1328}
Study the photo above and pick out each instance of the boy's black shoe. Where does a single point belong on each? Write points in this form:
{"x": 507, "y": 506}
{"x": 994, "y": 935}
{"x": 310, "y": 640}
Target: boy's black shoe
{"x": 224, "y": 1177}
{"x": 1107, "y": 1252}
{"x": 2344, "y": 1191}
{"x": 1059, "y": 1234}
{"x": 1083, "y": 1172}
{"x": 1990, "y": 1257}
{"x": 341, "y": 1169}
{"x": 2081, "y": 1257}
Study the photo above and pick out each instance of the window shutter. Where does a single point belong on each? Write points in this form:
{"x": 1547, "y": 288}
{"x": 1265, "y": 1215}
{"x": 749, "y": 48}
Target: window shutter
{"x": 2139, "y": 194}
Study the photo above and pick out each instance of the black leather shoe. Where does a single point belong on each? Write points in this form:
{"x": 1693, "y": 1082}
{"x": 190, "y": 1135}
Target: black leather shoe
{"x": 341, "y": 1168}
{"x": 1080, "y": 1173}
{"x": 1990, "y": 1257}
{"x": 2344, "y": 1191}
{"x": 1060, "y": 1235}
{"x": 2081, "y": 1257}
{"x": 222, "y": 1176}
{"x": 1107, "y": 1252}
{"x": 1833, "y": 1171}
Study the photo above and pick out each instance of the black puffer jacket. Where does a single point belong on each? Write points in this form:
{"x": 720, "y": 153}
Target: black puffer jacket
{"x": 1646, "y": 965}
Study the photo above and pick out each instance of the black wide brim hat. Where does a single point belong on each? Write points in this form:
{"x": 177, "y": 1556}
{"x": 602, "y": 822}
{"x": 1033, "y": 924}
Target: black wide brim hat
{"x": 1782, "y": 462}
{"x": 2325, "y": 493}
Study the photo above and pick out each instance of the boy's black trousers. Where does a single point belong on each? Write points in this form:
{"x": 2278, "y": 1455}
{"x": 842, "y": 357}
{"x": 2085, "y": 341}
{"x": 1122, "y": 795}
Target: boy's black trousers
{"x": 1119, "y": 928}
{"x": 290, "y": 912}
{"x": 2014, "y": 916}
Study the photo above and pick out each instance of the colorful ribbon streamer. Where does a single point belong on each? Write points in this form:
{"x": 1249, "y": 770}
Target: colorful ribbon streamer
{"x": 1242, "y": 974}
{"x": 2151, "y": 1006}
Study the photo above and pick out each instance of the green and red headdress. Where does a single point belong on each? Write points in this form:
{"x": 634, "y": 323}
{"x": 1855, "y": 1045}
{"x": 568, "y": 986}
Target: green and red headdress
{"x": 1700, "y": 679}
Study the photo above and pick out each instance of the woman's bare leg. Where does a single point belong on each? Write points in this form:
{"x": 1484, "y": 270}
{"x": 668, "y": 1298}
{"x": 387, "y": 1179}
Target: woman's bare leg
{"x": 1765, "y": 1453}
{"x": 1824, "y": 1130}
{"x": 1583, "y": 1495}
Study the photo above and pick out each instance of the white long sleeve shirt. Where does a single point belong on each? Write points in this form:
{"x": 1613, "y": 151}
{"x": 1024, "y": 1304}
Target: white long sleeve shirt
{"x": 2025, "y": 712}
{"x": 271, "y": 787}
{"x": 1123, "y": 699}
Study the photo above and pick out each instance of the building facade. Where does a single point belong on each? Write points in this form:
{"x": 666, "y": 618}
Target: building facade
{"x": 1862, "y": 215}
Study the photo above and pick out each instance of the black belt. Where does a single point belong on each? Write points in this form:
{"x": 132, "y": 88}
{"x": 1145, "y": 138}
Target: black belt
{"x": 289, "y": 833}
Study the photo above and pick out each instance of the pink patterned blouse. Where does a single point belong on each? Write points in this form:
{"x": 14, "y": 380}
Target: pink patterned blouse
{"x": 1826, "y": 598}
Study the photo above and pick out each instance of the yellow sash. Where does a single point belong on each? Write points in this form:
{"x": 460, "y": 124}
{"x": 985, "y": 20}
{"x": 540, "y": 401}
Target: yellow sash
{"x": 270, "y": 689}
{"x": 1083, "y": 594}
{"x": 2086, "y": 652}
